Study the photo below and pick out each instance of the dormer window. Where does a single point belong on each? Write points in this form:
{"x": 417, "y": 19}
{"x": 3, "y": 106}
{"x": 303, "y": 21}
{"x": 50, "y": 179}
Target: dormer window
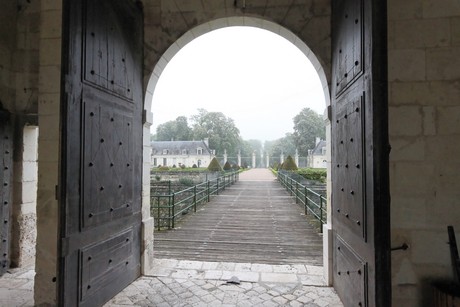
{"x": 199, "y": 151}
{"x": 165, "y": 151}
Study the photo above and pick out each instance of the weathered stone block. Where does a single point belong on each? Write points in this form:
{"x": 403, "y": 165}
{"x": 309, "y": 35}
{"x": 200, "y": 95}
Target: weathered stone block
{"x": 429, "y": 120}
{"x": 408, "y": 212}
{"x": 50, "y": 79}
{"x": 411, "y": 179}
{"x": 425, "y": 242}
{"x": 405, "y": 121}
{"x": 443, "y": 63}
{"x": 425, "y": 93}
{"x": 406, "y": 65}
{"x": 421, "y": 33}
{"x": 455, "y": 24}
{"x": 51, "y": 24}
{"x": 29, "y": 171}
{"x": 49, "y": 104}
{"x": 436, "y": 8}
{"x": 50, "y": 51}
{"x": 407, "y": 149}
{"x": 409, "y": 9}
{"x": 49, "y": 127}
{"x": 448, "y": 120}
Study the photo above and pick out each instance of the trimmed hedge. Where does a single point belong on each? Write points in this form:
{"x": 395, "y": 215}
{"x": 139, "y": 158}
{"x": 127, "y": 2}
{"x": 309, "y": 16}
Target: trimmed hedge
{"x": 317, "y": 174}
{"x": 289, "y": 164}
{"x": 214, "y": 166}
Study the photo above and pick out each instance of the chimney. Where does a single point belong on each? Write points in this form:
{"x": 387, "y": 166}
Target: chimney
{"x": 317, "y": 141}
{"x": 206, "y": 141}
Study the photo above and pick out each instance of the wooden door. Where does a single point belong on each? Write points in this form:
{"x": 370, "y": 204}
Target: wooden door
{"x": 101, "y": 151}
{"x": 6, "y": 186}
{"x": 360, "y": 196}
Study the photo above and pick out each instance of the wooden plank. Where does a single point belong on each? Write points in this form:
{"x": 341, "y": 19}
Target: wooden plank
{"x": 249, "y": 222}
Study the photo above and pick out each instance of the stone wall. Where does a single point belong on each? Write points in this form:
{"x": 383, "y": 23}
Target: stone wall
{"x": 8, "y": 15}
{"x": 424, "y": 124}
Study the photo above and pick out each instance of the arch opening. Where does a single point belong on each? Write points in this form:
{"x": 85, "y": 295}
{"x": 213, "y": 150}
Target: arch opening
{"x": 261, "y": 24}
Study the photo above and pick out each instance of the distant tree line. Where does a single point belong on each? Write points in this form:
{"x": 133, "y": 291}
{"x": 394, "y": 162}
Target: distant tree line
{"x": 224, "y": 135}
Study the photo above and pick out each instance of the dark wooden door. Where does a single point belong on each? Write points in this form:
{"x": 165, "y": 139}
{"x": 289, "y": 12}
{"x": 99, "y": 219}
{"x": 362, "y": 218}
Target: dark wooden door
{"x": 360, "y": 196}
{"x": 6, "y": 167}
{"x": 101, "y": 151}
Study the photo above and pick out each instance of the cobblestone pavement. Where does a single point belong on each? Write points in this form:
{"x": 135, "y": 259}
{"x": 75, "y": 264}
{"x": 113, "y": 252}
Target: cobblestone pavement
{"x": 193, "y": 283}
{"x": 17, "y": 287}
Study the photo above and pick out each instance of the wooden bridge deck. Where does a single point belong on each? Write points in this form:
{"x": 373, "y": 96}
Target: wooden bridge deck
{"x": 253, "y": 221}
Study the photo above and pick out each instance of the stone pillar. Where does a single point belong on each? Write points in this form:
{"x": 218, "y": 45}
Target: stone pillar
{"x": 49, "y": 101}
{"x": 268, "y": 160}
{"x": 239, "y": 158}
{"x": 25, "y": 197}
{"x": 225, "y": 156}
{"x": 297, "y": 157}
{"x": 254, "y": 159}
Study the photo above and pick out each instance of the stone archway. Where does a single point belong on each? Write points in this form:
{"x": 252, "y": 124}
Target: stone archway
{"x": 152, "y": 80}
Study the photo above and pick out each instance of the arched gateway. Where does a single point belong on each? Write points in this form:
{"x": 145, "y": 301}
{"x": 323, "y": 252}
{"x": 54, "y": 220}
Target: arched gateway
{"x": 106, "y": 230}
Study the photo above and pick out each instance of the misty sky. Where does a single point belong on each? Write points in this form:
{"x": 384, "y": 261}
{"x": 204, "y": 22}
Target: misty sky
{"x": 256, "y": 77}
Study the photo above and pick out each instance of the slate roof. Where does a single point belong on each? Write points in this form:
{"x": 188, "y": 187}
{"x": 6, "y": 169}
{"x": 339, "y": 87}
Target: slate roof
{"x": 318, "y": 150}
{"x": 176, "y": 147}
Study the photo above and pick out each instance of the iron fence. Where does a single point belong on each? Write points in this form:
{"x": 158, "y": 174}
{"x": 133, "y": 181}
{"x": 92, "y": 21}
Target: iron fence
{"x": 312, "y": 202}
{"x": 169, "y": 207}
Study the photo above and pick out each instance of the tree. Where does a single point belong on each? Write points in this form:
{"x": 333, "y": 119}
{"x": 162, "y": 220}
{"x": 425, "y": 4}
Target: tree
{"x": 307, "y": 126}
{"x": 177, "y": 130}
{"x": 284, "y": 145}
{"x": 219, "y": 129}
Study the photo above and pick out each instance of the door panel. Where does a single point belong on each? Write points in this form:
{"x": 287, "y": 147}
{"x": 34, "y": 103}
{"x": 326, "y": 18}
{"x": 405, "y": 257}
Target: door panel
{"x": 6, "y": 185}
{"x": 360, "y": 201}
{"x": 101, "y": 160}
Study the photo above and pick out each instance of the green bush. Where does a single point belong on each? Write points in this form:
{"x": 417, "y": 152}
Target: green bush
{"x": 227, "y": 166}
{"x": 194, "y": 166}
{"x": 317, "y": 174}
{"x": 289, "y": 164}
{"x": 163, "y": 168}
{"x": 235, "y": 167}
{"x": 186, "y": 181}
{"x": 214, "y": 165}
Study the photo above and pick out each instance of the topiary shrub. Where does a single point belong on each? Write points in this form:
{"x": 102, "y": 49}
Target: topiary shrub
{"x": 235, "y": 167}
{"x": 182, "y": 166}
{"x": 227, "y": 166}
{"x": 174, "y": 166}
{"x": 214, "y": 165}
{"x": 194, "y": 166}
{"x": 163, "y": 168}
{"x": 289, "y": 164}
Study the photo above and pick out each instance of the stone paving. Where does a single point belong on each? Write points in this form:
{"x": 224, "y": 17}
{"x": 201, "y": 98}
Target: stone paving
{"x": 194, "y": 283}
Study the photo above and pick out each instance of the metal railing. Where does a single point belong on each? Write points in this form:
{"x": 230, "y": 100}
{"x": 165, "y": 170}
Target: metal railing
{"x": 313, "y": 202}
{"x": 167, "y": 209}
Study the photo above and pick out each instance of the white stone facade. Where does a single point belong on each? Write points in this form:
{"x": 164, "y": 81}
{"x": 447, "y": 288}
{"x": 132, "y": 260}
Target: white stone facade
{"x": 181, "y": 153}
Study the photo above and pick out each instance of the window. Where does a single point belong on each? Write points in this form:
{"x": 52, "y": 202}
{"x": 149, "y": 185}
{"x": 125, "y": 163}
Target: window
{"x": 199, "y": 151}
{"x": 165, "y": 151}
{"x": 165, "y": 162}
{"x": 155, "y": 161}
